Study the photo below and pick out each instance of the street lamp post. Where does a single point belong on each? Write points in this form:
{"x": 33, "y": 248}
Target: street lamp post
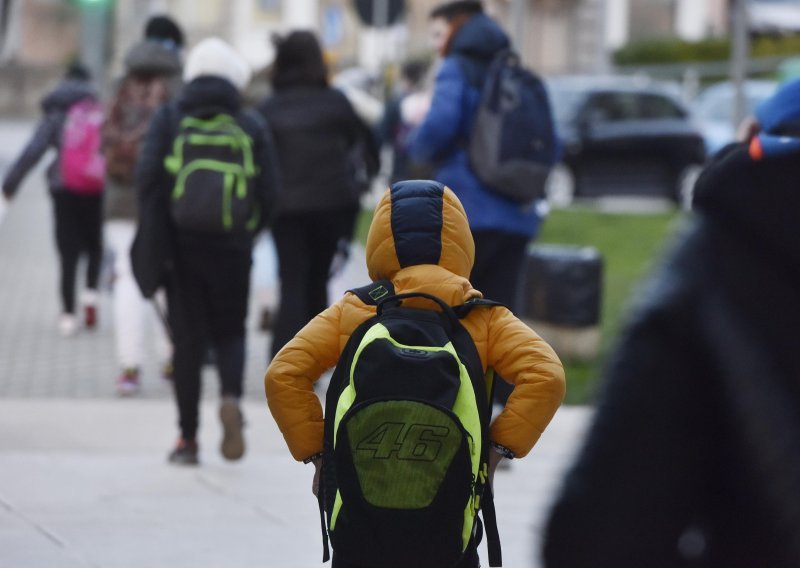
{"x": 740, "y": 47}
{"x": 94, "y": 16}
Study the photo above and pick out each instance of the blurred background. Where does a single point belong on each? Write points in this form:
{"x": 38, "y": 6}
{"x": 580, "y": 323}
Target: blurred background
{"x": 643, "y": 92}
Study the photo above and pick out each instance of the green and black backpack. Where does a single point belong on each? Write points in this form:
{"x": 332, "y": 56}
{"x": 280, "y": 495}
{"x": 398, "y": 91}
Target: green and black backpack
{"x": 213, "y": 165}
{"x": 406, "y": 438}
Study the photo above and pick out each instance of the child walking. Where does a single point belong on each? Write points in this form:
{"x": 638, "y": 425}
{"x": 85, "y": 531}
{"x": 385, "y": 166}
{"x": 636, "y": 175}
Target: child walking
{"x": 419, "y": 243}
{"x": 207, "y": 164}
{"x": 70, "y": 126}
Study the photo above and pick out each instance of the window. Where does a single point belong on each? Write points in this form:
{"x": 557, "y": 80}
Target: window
{"x": 654, "y": 107}
{"x": 612, "y": 107}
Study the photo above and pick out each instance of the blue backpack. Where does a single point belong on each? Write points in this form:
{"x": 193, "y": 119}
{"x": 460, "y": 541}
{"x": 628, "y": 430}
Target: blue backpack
{"x": 513, "y": 145}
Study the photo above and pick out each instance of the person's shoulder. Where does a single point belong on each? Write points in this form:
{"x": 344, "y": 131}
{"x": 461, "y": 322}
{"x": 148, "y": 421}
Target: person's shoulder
{"x": 253, "y": 122}
{"x": 337, "y": 98}
{"x": 452, "y": 66}
{"x": 678, "y": 283}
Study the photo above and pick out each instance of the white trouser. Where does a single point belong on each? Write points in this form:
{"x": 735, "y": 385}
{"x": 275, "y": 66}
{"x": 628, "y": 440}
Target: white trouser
{"x": 134, "y": 316}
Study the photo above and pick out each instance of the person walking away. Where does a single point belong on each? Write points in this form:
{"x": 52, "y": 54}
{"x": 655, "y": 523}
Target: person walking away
{"x": 316, "y": 131}
{"x": 211, "y": 164}
{"x": 71, "y": 126}
{"x": 420, "y": 251}
{"x": 693, "y": 456}
{"x": 469, "y": 42}
{"x": 403, "y": 113}
{"x": 152, "y": 77}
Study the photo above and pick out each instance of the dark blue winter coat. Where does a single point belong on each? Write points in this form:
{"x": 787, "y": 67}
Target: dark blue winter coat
{"x": 442, "y": 137}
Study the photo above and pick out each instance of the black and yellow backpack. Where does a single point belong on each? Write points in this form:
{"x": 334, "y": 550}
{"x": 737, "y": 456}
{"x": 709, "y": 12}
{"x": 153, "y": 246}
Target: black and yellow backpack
{"x": 406, "y": 438}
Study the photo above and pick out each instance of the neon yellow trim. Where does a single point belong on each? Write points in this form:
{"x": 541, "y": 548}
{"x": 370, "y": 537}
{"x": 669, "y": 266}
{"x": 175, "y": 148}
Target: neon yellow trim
{"x": 227, "y": 197}
{"x": 337, "y": 506}
{"x": 465, "y": 408}
{"x": 348, "y": 396}
{"x": 489, "y": 378}
{"x": 215, "y": 165}
{"x": 224, "y": 122}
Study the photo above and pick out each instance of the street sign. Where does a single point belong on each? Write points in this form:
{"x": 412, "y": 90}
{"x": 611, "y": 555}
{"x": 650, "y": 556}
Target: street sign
{"x": 379, "y": 13}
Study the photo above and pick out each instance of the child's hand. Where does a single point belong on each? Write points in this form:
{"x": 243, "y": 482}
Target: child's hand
{"x": 494, "y": 458}
{"x": 4, "y": 201}
{"x": 315, "y": 483}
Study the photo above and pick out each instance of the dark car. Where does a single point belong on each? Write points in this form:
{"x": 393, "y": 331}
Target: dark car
{"x": 622, "y": 137}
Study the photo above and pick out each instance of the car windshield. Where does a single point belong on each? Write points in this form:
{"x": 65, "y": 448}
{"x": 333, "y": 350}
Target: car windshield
{"x": 565, "y": 102}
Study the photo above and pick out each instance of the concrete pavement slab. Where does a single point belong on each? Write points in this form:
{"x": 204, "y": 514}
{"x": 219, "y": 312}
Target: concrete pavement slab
{"x": 85, "y": 483}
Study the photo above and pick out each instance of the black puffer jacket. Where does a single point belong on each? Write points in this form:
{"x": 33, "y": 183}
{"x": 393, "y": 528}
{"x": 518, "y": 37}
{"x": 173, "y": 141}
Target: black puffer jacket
{"x": 694, "y": 455}
{"x": 316, "y": 132}
{"x": 48, "y": 135}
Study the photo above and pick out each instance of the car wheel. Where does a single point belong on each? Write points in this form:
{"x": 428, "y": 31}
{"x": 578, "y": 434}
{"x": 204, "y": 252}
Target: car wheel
{"x": 560, "y": 187}
{"x": 686, "y": 182}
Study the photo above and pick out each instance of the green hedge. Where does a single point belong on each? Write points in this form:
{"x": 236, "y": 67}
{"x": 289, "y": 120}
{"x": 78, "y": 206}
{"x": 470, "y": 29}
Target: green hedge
{"x": 653, "y": 52}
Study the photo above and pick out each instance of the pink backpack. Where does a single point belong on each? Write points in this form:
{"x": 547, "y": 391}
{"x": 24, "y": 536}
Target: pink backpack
{"x": 82, "y": 164}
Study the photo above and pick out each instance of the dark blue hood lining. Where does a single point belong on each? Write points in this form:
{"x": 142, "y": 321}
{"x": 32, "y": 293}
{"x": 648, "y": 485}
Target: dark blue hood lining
{"x": 417, "y": 221}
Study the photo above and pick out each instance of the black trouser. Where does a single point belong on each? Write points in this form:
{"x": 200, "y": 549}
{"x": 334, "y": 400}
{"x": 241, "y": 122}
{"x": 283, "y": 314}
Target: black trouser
{"x": 497, "y": 272}
{"x": 78, "y": 221}
{"x": 306, "y": 244}
{"x": 208, "y": 300}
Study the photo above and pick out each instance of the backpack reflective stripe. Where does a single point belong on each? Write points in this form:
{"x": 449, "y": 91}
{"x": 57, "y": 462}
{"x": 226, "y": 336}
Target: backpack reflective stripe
{"x": 465, "y": 408}
{"x": 213, "y": 164}
{"x": 406, "y": 438}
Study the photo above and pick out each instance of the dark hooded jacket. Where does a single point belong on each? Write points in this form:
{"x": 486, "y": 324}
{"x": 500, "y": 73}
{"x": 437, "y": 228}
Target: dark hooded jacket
{"x": 149, "y": 58}
{"x": 441, "y": 138}
{"x": 694, "y": 455}
{"x": 48, "y": 135}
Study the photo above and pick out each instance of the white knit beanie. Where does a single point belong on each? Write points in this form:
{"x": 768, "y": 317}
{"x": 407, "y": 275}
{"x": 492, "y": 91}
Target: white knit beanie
{"x": 213, "y": 57}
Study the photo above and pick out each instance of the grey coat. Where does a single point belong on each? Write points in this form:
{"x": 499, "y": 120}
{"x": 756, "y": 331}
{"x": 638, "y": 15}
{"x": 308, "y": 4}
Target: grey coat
{"x": 47, "y": 135}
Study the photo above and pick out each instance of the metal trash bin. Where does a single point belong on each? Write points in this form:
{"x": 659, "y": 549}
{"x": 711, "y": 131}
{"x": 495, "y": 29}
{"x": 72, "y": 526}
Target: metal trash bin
{"x": 562, "y": 297}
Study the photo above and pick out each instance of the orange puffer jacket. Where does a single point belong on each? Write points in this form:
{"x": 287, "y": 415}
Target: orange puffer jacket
{"x": 420, "y": 240}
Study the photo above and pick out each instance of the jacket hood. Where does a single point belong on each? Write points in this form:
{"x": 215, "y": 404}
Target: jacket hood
{"x": 779, "y": 120}
{"x": 757, "y": 199}
{"x": 210, "y": 93}
{"x": 153, "y": 57}
{"x": 67, "y": 93}
{"x": 420, "y": 238}
{"x": 479, "y": 37}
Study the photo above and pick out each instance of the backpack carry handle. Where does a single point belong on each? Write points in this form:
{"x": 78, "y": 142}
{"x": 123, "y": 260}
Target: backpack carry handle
{"x": 396, "y": 298}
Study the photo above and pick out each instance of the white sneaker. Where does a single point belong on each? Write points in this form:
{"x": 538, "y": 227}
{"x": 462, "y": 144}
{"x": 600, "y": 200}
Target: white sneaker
{"x": 67, "y": 325}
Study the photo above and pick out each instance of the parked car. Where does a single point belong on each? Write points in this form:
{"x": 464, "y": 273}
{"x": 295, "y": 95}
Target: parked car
{"x": 622, "y": 137}
{"x": 713, "y": 110}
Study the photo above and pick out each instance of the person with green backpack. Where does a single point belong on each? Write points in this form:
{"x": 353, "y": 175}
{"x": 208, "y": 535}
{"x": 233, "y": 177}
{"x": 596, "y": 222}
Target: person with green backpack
{"x": 206, "y": 178}
{"x": 405, "y": 452}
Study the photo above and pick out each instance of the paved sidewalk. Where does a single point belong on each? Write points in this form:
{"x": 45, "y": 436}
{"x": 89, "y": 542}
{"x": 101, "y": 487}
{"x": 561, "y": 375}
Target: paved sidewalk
{"x": 84, "y": 484}
{"x": 84, "y": 481}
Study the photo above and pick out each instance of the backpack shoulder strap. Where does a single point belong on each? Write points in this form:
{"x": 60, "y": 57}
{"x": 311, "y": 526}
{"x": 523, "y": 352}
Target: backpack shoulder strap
{"x": 464, "y": 309}
{"x": 373, "y": 293}
{"x": 487, "y": 500}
